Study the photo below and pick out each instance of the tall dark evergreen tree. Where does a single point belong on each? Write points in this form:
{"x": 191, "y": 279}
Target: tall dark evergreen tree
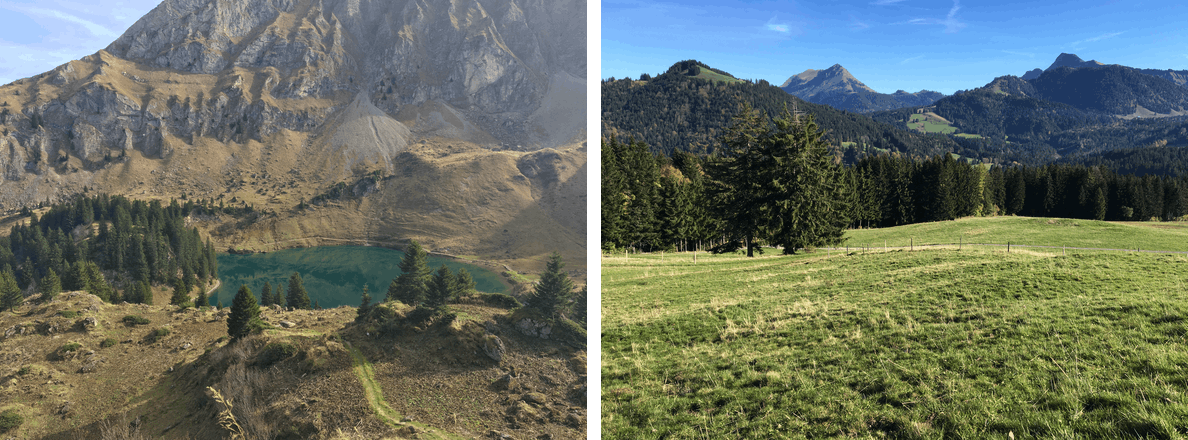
{"x": 266, "y": 295}
{"x": 364, "y": 303}
{"x": 10, "y": 294}
{"x": 49, "y": 286}
{"x": 463, "y": 283}
{"x": 411, "y": 286}
{"x": 181, "y": 293}
{"x": 244, "y": 310}
{"x": 298, "y": 297}
{"x": 441, "y": 288}
{"x": 552, "y": 293}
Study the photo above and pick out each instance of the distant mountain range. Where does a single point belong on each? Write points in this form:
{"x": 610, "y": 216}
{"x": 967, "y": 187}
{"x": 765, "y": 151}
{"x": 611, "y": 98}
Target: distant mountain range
{"x": 837, "y": 88}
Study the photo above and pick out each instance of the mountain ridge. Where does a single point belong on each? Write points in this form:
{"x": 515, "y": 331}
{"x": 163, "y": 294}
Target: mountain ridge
{"x": 838, "y": 88}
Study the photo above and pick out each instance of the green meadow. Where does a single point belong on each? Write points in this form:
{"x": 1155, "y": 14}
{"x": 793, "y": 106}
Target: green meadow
{"x": 929, "y": 125}
{"x": 935, "y": 343}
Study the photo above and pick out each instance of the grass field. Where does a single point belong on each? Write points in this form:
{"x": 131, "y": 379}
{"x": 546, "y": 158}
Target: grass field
{"x": 976, "y": 343}
{"x": 929, "y": 124}
{"x": 715, "y": 76}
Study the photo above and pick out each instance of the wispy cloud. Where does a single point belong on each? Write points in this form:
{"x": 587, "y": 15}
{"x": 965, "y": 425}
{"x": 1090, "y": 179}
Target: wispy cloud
{"x": 1079, "y": 43}
{"x": 92, "y": 27}
{"x": 857, "y": 25}
{"x": 772, "y": 25}
{"x": 1022, "y": 54}
{"x": 917, "y": 57}
{"x": 885, "y": 2}
{"x": 950, "y": 22}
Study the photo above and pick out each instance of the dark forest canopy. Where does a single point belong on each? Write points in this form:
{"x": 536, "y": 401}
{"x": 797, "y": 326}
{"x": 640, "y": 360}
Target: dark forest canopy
{"x": 655, "y": 202}
{"x": 108, "y": 244}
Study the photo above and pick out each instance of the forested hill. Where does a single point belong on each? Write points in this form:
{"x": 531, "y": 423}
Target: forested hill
{"x": 1114, "y": 90}
{"x": 678, "y": 111}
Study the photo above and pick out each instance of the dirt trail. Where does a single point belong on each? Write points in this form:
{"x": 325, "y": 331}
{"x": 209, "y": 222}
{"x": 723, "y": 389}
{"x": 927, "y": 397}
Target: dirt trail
{"x": 375, "y": 398}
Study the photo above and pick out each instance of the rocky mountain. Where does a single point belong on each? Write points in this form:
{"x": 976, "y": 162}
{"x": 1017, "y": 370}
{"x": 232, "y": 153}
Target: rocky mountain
{"x": 1072, "y": 61}
{"x": 836, "y": 87}
{"x": 270, "y": 102}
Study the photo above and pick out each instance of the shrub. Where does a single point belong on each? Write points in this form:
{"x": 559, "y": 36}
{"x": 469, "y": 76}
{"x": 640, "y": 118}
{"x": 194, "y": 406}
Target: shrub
{"x": 275, "y": 352}
{"x": 157, "y": 334}
{"x": 502, "y": 300}
{"x": 136, "y": 320}
{"x": 419, "y": 315}
{"x": 10, "y": 420}
{"x": 69, "y": 314}
{"x": 70, "y": 346}
{"x": 24, "y": 370}
{"x": 109, "y": 342}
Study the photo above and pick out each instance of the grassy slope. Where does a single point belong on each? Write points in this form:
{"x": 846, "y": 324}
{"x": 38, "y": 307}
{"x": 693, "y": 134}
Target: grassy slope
{"x": 715, "y": 76}
{"x": 972, "y": 343}
{"x": 1167, "y": 236}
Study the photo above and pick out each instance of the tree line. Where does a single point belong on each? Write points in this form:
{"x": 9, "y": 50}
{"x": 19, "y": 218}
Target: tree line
{"x": 783, "y": 182}
{"x": 110, "y": 246}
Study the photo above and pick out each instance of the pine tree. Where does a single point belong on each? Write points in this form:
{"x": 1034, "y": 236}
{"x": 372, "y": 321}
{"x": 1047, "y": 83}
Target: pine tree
{"x": 298, "y": 298}
{"x": 411, "y": 286}
{"x": 50, "y": 286}
{"x": 244, "y": 311}
{"x": 440, "y": 289}
{"x": 463, "y": 284}
{"x": 180, "y": 293}
{"x": 10, "y": 294}
{"x": 578, "y": 313}
{"x": 551, "y": 296}
{"x": 364, "y": 303}
{"x": 202, "y": 300}
{"x": 266, "y": 295}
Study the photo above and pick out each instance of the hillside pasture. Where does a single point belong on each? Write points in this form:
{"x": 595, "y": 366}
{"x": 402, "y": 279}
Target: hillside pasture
{"x": 941, "y": 342}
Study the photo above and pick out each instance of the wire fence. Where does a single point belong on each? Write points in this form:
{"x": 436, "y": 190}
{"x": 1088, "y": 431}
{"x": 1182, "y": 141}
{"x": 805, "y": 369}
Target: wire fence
{"x": 912, "y": 245}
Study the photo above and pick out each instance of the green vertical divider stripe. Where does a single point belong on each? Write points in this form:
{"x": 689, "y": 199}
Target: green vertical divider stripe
{"x": 593, "y": 224}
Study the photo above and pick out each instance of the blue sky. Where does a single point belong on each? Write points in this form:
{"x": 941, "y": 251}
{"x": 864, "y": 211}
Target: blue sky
{"x": 36, "y": 36}
{"x": 941, "y": 45}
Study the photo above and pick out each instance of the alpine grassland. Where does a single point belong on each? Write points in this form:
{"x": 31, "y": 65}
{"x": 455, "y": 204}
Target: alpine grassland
{"x": 935, "y": 342}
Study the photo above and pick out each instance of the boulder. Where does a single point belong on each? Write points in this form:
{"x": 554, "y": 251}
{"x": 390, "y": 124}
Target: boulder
{"x": 493, "y": 347}
{"x": 535, "y": 329}
{"x": 89, "y": 323}
{"x": 287, "y": 324}
{"x": 505, "y": 383}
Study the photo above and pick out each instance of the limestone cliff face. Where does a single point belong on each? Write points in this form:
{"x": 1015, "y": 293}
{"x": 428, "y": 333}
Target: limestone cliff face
{"x": 507, "y": 74}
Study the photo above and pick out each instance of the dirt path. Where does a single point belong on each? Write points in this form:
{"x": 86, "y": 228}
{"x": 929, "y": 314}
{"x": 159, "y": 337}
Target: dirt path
{"x": 212, "y": 289}
{"x": 375, "y": 398}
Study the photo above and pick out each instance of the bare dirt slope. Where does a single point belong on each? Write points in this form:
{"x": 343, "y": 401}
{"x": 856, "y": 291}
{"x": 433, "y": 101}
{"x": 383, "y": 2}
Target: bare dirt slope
{"x": 291, "y": 382}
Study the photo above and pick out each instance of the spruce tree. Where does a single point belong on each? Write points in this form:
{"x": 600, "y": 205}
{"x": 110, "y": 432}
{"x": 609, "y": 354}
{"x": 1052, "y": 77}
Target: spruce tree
{"x": 266, "y": 295}
{"x": 298, "y": 298}
{"x": 578, "y": 311}
{"x": 364, "y": 303}
{"x": 463, "y": 284}
{"x": 180, "y": 293}
{"x": 440, "y": 289}
{"x": 10, "y": 294}
{"x": 411, "y": 286}
{"x": 50, "y": 286}
{"x": 202, "y": 300}
{"x": 552, "y": 293}
{"x": 244, "y": 310}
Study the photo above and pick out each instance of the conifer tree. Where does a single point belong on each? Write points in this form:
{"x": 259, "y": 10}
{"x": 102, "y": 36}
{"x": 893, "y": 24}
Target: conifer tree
{"x": 552, "y": 293}
{"x": 463, "y": 284}
{"x": 10, "y": 294}
{"x": 441, "y": 288}
{"x": 50, "y": 286}
{"x": 578, "y": 311}
{"x": 180, "y": 293}
{"x": 202, "y": 300}
{"x": 266, "y": 295}
{"x": 298, "y": 297}
{"x": 364, "y": 303}
{"x": 244, "y": 310}
{"x": 411, "y": 286}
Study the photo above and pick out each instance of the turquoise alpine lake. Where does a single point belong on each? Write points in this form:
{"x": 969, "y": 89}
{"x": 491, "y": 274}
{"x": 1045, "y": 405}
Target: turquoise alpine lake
{"x": 333, "y": 275}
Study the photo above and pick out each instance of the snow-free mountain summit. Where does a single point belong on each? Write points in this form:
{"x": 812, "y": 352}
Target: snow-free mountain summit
{"x": 468, "y": 114}
{"x": 836, "y": 87}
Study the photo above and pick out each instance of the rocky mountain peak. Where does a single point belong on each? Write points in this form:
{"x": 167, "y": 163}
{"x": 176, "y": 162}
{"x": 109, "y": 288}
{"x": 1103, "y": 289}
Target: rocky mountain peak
{"x": 361, "y": 78}
{"x": 1073, "y": 61}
